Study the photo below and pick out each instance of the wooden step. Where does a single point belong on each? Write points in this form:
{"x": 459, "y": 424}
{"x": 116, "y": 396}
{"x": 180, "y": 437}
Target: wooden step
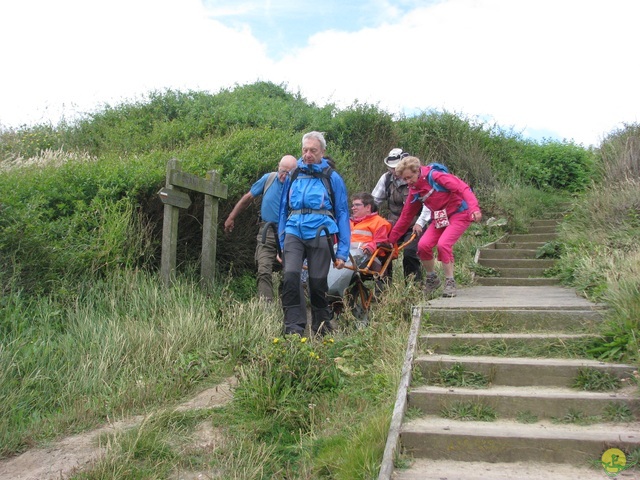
{"x": 535, "y": 402}
{"x": 498, "y": 263}
{"x": 515, "y": 282}
{"x": 507, "y": 253}
{"x": 508, "y": 441}
{"x": 444, "y": 342}
{"x": 513, "y": 320}
{"x": 520, "y": 245}
{"x": 519, "y": 371}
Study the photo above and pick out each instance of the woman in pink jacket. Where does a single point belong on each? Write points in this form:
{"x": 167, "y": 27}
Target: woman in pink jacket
{"x": 453, "y": 207}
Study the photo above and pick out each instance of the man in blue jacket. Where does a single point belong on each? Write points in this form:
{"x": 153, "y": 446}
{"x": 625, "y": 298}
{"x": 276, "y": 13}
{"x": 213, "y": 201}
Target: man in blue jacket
{"x": 314, "y": 202}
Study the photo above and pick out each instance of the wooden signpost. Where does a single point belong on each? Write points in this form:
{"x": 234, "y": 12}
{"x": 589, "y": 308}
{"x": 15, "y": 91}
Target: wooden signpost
{"x": 174, "y": 198}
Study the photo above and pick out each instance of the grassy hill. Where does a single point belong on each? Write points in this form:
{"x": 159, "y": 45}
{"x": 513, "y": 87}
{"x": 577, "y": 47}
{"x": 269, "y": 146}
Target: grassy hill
{"x": 89, "y": 333}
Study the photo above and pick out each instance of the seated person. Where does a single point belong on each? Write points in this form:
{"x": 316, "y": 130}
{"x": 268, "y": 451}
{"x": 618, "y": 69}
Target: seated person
{"x": 367, "y": 230}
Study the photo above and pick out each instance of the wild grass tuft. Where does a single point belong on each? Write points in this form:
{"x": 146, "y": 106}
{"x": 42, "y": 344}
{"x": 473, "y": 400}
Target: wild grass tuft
{"x": 469, "y": 411}
{"x": 595, "y": 380}
{"x": 576, "y": 417}
{"x": 618, "y": 412}
{"x": 458, "y": 376}
{"x": 526, "y": 416}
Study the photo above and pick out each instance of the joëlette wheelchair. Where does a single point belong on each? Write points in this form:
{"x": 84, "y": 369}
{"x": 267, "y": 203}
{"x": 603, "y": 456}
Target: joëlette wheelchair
{"x": 357, "y": 285}
{"x": 360, "y": 281}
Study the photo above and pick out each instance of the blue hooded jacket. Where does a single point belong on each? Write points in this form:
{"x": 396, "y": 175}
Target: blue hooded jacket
{"x": 310, "y": 193}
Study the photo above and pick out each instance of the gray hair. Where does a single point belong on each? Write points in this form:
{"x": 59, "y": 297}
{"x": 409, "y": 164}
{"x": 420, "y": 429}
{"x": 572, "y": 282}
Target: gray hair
{"x": 318, "y": 136}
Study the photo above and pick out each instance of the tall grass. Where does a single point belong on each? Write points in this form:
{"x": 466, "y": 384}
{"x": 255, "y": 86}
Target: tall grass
{"x": 125, "y": 344}
{"x": 602, "y": 257}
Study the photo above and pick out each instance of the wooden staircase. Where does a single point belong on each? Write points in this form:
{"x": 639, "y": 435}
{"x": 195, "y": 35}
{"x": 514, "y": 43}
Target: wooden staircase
{"x": 512, "y": 260}
{"x": 542, "y": 427}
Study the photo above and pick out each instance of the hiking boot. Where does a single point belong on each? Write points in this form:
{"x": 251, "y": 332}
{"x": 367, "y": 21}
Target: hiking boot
{"x": 431, "y": 284}
{"x": 449, "y": 289}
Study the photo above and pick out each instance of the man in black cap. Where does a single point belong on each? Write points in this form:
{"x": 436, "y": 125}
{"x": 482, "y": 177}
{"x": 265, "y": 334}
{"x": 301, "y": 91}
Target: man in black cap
{"x": 394, "y": 191}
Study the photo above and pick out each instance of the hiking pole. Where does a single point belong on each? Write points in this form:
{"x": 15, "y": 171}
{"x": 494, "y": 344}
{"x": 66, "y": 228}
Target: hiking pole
{"x": 328, "y": 235}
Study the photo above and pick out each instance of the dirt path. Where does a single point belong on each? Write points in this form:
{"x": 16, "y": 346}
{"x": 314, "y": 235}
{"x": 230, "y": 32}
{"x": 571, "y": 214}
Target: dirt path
{"x": 71, "y": 454}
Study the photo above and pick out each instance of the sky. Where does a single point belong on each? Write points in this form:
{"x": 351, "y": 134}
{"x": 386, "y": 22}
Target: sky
{"x": 547, "y": 69}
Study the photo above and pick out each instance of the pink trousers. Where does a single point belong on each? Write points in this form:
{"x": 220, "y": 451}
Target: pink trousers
{"x": 443, "y": 238}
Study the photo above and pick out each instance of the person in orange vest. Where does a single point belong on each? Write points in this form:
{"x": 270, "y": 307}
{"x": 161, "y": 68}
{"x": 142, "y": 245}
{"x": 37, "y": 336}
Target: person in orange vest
{"x": 368, "y": 229}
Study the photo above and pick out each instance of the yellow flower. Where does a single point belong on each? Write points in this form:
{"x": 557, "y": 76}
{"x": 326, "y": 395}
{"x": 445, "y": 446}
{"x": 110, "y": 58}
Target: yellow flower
{"x": 303, "y": 340}
{"x": 276, "y": 340}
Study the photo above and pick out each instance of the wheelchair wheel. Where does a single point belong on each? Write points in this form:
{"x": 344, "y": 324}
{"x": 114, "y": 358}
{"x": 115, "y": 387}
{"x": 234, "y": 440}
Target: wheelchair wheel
{"x": 358, "y": 310}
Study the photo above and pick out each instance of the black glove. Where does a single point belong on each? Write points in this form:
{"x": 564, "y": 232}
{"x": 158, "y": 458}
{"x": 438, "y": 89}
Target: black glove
{"x": 364, "y": 260}
{"x": 385, "y": 245}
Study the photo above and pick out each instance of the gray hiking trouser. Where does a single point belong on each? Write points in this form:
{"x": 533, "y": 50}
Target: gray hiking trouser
{"x": 318, "y": 254}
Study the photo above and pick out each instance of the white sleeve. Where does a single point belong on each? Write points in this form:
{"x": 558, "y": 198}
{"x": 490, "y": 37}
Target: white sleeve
{"x": 379, "y": 192}
{"x": 425, "y": 216}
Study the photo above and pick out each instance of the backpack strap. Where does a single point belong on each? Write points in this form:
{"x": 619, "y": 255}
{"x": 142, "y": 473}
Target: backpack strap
{"x": 434, "y": 184}
{"x": 325, "y": 176}
{"x": 270, "y": 179}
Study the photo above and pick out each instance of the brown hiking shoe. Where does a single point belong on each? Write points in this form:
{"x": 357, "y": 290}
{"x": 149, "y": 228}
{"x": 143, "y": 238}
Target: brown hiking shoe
{"x": 431, "y": 284}
{"x": 449, "y": 289}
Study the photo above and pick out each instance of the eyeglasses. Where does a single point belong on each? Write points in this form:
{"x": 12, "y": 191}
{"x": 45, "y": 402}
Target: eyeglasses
{"x": 357, "y": 205}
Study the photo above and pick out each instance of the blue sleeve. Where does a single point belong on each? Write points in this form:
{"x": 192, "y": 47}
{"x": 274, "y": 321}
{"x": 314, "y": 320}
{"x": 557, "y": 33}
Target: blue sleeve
{"x": 282, "y": 214}
{"x": 341, "y": 210}
{"x": 257, "y": 188}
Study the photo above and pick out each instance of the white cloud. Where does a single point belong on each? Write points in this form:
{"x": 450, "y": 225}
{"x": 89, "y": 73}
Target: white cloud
{"x": 81, "y": 53}
{"x": 563, "y": 66}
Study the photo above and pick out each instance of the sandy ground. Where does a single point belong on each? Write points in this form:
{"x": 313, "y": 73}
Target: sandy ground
{"x": 70, "y": 455}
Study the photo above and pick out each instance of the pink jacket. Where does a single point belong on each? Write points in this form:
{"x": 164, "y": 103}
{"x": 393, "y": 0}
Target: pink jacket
{"x": 451, "y": 201}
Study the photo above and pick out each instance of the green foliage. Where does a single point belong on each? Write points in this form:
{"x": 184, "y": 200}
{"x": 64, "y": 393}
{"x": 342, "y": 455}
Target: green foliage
{"x": 283, "y": 381}
{"x": 551, "y": 249}
{"x": 359, "y": 138}
{"x": 171, "y": 119}
{"x": 560, "y": 165}
{"x": 616, "y": 342}
{"x": 553, "y": 165}
{"x": 454, "y": 140}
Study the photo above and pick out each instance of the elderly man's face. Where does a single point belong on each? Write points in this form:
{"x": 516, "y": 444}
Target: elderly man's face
{"x": 312, "y": 151}
{"x": 283, "y": 170}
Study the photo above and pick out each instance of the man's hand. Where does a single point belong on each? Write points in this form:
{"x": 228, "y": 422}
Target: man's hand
{"x": 417, "y": 229}
{"x": 229, "y": 224}
{"x": 339, "y": 264}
